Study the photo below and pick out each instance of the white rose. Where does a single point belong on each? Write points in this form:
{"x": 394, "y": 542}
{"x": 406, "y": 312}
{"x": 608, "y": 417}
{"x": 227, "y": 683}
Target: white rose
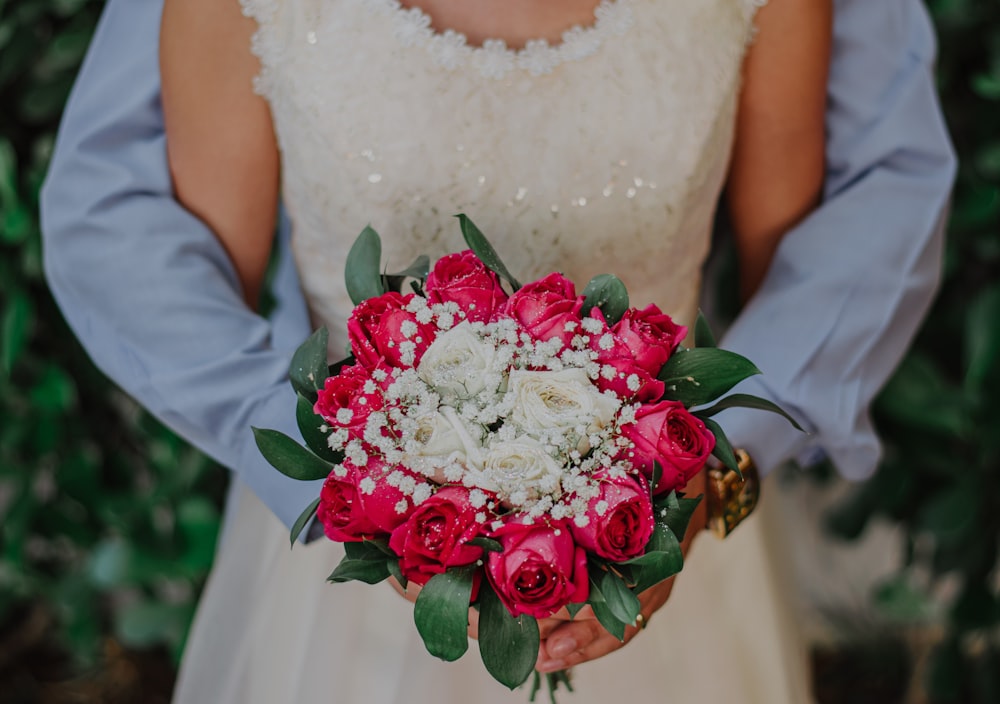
{"x": 445, "y": 437}
{"x": 520, "y": 471}
{"x": 563, "y": 400}
{"x": 459, "y": 364}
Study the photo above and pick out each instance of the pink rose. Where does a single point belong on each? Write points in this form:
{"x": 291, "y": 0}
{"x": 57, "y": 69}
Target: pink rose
{"x": 545, "y": 308}
{"x": 667, "y": 433}
{"x": 382, "y": 328}
{"x": 621, "y": 531}
{"x": 343, "y": 403}
{"x": 380, "y": 491}
{"x": 340, "y": 511}
{"x": 540, "y": 569}
{"x": 463, "y": 279}
{"x": 436, "y": 535}
{"x": 620, "y": 372}
{"x": 651, "y": 335}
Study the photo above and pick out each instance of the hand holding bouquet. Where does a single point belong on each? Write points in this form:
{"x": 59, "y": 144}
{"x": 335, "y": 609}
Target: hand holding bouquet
{"x": 515, "y": 449}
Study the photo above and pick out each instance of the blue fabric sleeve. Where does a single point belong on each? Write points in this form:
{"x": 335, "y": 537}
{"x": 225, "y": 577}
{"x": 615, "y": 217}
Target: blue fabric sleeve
{"x": 850, "y": 285}
{"x": 145, "y": 285}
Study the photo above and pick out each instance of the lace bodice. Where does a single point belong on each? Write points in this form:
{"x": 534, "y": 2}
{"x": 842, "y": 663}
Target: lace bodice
{"x": 605, "y": 152}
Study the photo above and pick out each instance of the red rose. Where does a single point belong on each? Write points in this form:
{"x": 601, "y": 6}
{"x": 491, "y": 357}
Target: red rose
{"x": 382, "y": 328}
{"x": 620, "y": 372}
{"x": 436, "y": 535}
{"x": 380, "y": 491}
{"x": 463, "y": 279}
{"x": 545, "y": 308}
{"x": 667, "y": 433}
{"x": 540, "y": 569}
{"x": 340, "y": 511}
{"x": 343, "y": 403}
{"x": 621, "y": 528}
{"x": 651, "y": 335}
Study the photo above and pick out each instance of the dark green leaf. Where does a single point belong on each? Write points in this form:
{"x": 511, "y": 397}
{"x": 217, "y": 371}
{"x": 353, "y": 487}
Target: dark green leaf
{"x": 701, "y": 375}
{"x": 747, "y": 401}
{"x": 663, "y": 559}
{"x": 607, "y": 292}
{"x": 574, "y": 609}
{"x": 337, "y": 367}
{"x": 442, "y": 613}
{"x": 677, "y": 519}
{"x": 612, "y": 624}
{"x": 723, "y": 450}
{"x": 362, "y": 273}
{"x": 303, "y": 519}
{"x": 17, "y": 319}
{"x": 368, "y": 550}
{"x": 308, "y": 369}
{"x": 289, "y": 457}
{"x": 484, "y": 250}
{"x": 657, "y": 476}
{"x": 309, "y": 425}
{"x": 982, "y": 337}
{"x": 417, "y": 270}
{"x": 508, "y": 645}
{"x": 487, "y": 544}
{"x": 367, "y": 571}
{"x": 396, "y": 572}
{"x": 703, "y": 336}
{"x": 621, "y": 601}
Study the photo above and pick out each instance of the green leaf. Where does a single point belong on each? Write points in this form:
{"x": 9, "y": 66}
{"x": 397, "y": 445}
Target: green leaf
{"x": 300, "y": 522}
{"x": 607, "y": 292}
{"x": 982, "y": 337}
{"x": 362, "y": 273}
{"x": 417, "y": 270}
{"x": 308, "y": 369}
{"x": 289, "y": 457}
{"x": 508, "y": 645}
{"x": 697, "y": 376}
{"x": 14, "y": 330}
{"x": 663, "y": 559}
{"x": 395, "y": 571}
{"x": 309, "y": 425}
{"x": 677, "y": 519}
{"x": 574, "y": 609}
{"x": 612, "y": 624}
{"x": 723, "y": 450}
{"x": 655, "y": 479}
{"x": 367, "y": 571}
{"x": 442, "y": 613}
{"x": 703, "y": 336}
{"x": 487, "y": 544}
{"x": 484, "y": 250}
{"x": 747, "y": 401}
{"x": 621, "y": 601}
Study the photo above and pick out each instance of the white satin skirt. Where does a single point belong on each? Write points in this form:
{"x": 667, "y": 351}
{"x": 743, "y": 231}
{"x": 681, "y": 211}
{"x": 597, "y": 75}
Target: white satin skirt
{"x": 271, "y": 630}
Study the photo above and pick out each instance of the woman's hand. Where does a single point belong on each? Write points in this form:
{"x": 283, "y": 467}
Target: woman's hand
{"x": 566, "y": 643}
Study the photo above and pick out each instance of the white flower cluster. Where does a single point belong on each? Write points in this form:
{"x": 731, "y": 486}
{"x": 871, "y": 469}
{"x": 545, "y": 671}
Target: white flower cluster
{"x": 489, "y": 408}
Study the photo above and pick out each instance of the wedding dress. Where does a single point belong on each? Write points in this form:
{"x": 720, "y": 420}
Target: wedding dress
{"x": 603, "y": 153}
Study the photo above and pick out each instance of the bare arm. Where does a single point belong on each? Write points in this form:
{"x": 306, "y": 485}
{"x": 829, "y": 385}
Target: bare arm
{"x": 775, "y": 180}
{"x": 776, "y": 175}
{"x": 220, "y": 141}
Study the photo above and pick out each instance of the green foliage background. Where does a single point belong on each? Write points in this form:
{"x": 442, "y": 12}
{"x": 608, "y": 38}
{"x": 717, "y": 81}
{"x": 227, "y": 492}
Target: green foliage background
{"x": 109, "y": 521}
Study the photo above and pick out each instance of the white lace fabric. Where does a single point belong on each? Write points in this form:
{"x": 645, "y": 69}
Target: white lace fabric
{"x": 603, "y": 153}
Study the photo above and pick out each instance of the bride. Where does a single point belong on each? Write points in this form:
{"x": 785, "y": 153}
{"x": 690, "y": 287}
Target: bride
{"x": 582, "y": 137}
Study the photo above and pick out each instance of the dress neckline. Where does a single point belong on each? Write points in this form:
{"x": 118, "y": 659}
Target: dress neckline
{"x": 493, "y": 58}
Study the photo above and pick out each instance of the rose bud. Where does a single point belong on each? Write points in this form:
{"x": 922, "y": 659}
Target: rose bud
{"x": 382, "y": 328}
{"x": 547, "y": 308}
{"x": 436, "y": 535}
{"x": 619, "y": 519}
{"x": 463, "y": 279}
{"x": 344, "y": 403}
{"x": 540, "y": 570}
{"x": 341, "y": 513}
{"x": 651, "y": 335}
{"x": 667, "y": 433}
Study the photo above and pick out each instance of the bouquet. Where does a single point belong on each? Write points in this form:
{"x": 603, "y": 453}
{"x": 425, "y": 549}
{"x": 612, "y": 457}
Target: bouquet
{"x": 517, "y": 449}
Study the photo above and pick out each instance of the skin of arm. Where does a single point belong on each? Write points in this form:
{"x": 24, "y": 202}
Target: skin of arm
{"x": 775, "y": 179}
